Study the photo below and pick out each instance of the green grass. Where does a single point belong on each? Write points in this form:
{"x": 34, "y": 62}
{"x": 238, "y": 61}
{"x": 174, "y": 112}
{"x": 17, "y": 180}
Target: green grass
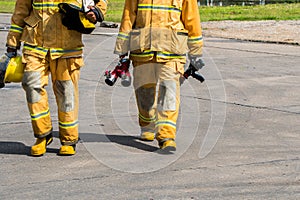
{"x": 216, "y": 13}
{"x": 115, "y": 10}
{"x": 7, "y": 6}
{"x": 251, "y": 13}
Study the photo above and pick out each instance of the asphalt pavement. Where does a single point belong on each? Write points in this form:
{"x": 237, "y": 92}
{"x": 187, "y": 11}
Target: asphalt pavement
{"x": 238, "y": 132}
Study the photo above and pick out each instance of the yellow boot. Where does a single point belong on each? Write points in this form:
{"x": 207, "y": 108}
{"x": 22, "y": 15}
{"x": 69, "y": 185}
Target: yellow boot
{"x": 66, "y": 150}
{"x": 39, "y": 148}
{"x": 147, "y": 136}
{"x": 167, "y": 145}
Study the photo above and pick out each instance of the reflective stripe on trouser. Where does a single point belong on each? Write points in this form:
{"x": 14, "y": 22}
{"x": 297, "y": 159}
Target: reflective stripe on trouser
{"x": 65, "y": 75}
{"x": 158, "y": 110}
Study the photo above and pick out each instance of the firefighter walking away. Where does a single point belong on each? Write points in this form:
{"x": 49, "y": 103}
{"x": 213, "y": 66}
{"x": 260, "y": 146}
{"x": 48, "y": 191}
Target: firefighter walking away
{"x": 52, "y": 46}
{"x": 158, "y": 36}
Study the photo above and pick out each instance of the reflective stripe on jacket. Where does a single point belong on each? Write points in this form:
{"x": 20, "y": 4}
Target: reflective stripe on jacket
{"x": 165, "y": 29}
{"x": 38, "y": 24}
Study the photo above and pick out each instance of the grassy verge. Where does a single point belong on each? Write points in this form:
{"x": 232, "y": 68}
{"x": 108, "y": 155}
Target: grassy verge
{"x": 251, "y": 13}
{"x": 7, "y": 6}
{"x": 216, "y": 13}
{"x": 115, "y": 10}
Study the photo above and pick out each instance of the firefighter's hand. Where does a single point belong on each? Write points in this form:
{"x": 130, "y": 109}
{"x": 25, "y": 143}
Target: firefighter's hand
{"x": 196, "y": 61}
{"x": 11, "y": 52}
{"x": 123, "y": 55}
{"x": 91, "y": 17}
{"x": 94, "y": 15}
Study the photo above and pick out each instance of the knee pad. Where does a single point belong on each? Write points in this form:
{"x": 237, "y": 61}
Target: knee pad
{"x": 167, "y": 95}
{"x": 64, "y": 91}
{"x": 146, "y": 97}
{"x": 31, "y": 83}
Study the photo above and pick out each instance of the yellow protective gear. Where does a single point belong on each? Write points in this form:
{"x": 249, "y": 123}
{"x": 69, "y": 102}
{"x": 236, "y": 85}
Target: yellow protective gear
{"x": 158, "y": 113}
{"x": 164, "y": 29}
{"x": 15, "y": 70}
{"x": 74, "y": 18}
{"x": 39, "y": 25}
{"x": 49, "y": 46}
{"x": 65, "y": 76}
{"x": 147, "y": 136}
{"x": 11, "y": 69}
{"x": 158, "y": 35}
{"x": 67, "y": 150}
{"x": 39, "y": 148}
{"x": 168, "y": 145}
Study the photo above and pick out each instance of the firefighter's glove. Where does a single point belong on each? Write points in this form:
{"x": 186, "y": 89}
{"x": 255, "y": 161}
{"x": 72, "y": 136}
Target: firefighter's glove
{"x": 196, "y": 61}
{"x": 11, "y": 52}
{"x": 95, "y": 15}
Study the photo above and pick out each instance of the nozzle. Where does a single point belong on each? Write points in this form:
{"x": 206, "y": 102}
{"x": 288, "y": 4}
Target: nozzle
{"x": 110, "y": 78}
{"x": 192, "y": 71}
{"x": 110, "y": 81}
{"x": 126, "y": 79}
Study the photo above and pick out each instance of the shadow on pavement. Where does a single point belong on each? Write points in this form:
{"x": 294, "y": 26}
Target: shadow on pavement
{"x": 18, "y": 148}
{"x": 9, "y": 147}
{"x": 125, "y": 140}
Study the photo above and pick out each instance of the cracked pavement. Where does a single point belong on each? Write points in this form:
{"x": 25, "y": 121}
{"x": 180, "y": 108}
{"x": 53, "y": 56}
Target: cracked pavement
{"x": 238, "y": 132}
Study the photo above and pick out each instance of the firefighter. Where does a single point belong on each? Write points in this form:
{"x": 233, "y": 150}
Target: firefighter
{"x": 159, "y": 35}
{"x": 49, "y": 47}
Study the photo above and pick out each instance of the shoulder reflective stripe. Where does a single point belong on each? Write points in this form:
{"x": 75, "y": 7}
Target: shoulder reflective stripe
{"x": 145, "y": 119}
{"x": 16, "y": 28}
{"x": 36, "y": 49}
{"x": 195, "y": 39}
{"x": 38, "y": 6}
{"x": 39, "y": 115}
{"x": 123, "y": 36}
{"x": 158, "y": 7}
{"x": 66, "y": 125}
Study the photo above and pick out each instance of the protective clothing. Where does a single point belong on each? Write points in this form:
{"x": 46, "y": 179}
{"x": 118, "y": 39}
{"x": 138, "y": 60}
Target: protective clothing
{"x": 74, "y": 16}
{"x": 147, "y": 136}
{"x": 65, "y": 76}
{"x": 164, "y": 29}
{"x": 168, "y": 145}
{"x": 11, "y": 69}
{"x": 157, "y": 113}
{"x": 39, "y": 148}
{"x": 73, "y": 19}
{"x": 158, "y": 34}
{"x": 39, "y": 25}
{"x": 67, "y": 150}
{"x": 49, "y": 47}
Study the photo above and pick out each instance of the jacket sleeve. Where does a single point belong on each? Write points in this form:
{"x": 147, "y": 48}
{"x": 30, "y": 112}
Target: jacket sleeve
{"x": 127, "y": 23}
{"x": 101, "y": 9}
{"x": 191, "y": 21}
{"x": 22, "y": 10}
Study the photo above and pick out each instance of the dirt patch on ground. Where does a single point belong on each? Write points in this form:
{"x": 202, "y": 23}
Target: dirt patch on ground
{"x": 286, "y": 32}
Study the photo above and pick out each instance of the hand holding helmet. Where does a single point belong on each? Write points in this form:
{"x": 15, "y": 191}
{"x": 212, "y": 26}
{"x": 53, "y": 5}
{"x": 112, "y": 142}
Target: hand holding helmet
{"x": 11, "y": 67}
{"x": 11, "y": 52}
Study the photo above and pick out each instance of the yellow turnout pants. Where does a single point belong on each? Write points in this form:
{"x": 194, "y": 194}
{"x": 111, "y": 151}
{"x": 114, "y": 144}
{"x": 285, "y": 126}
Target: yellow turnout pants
{"x": 65, "y": 76}
{"x": 157, "y": 91}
